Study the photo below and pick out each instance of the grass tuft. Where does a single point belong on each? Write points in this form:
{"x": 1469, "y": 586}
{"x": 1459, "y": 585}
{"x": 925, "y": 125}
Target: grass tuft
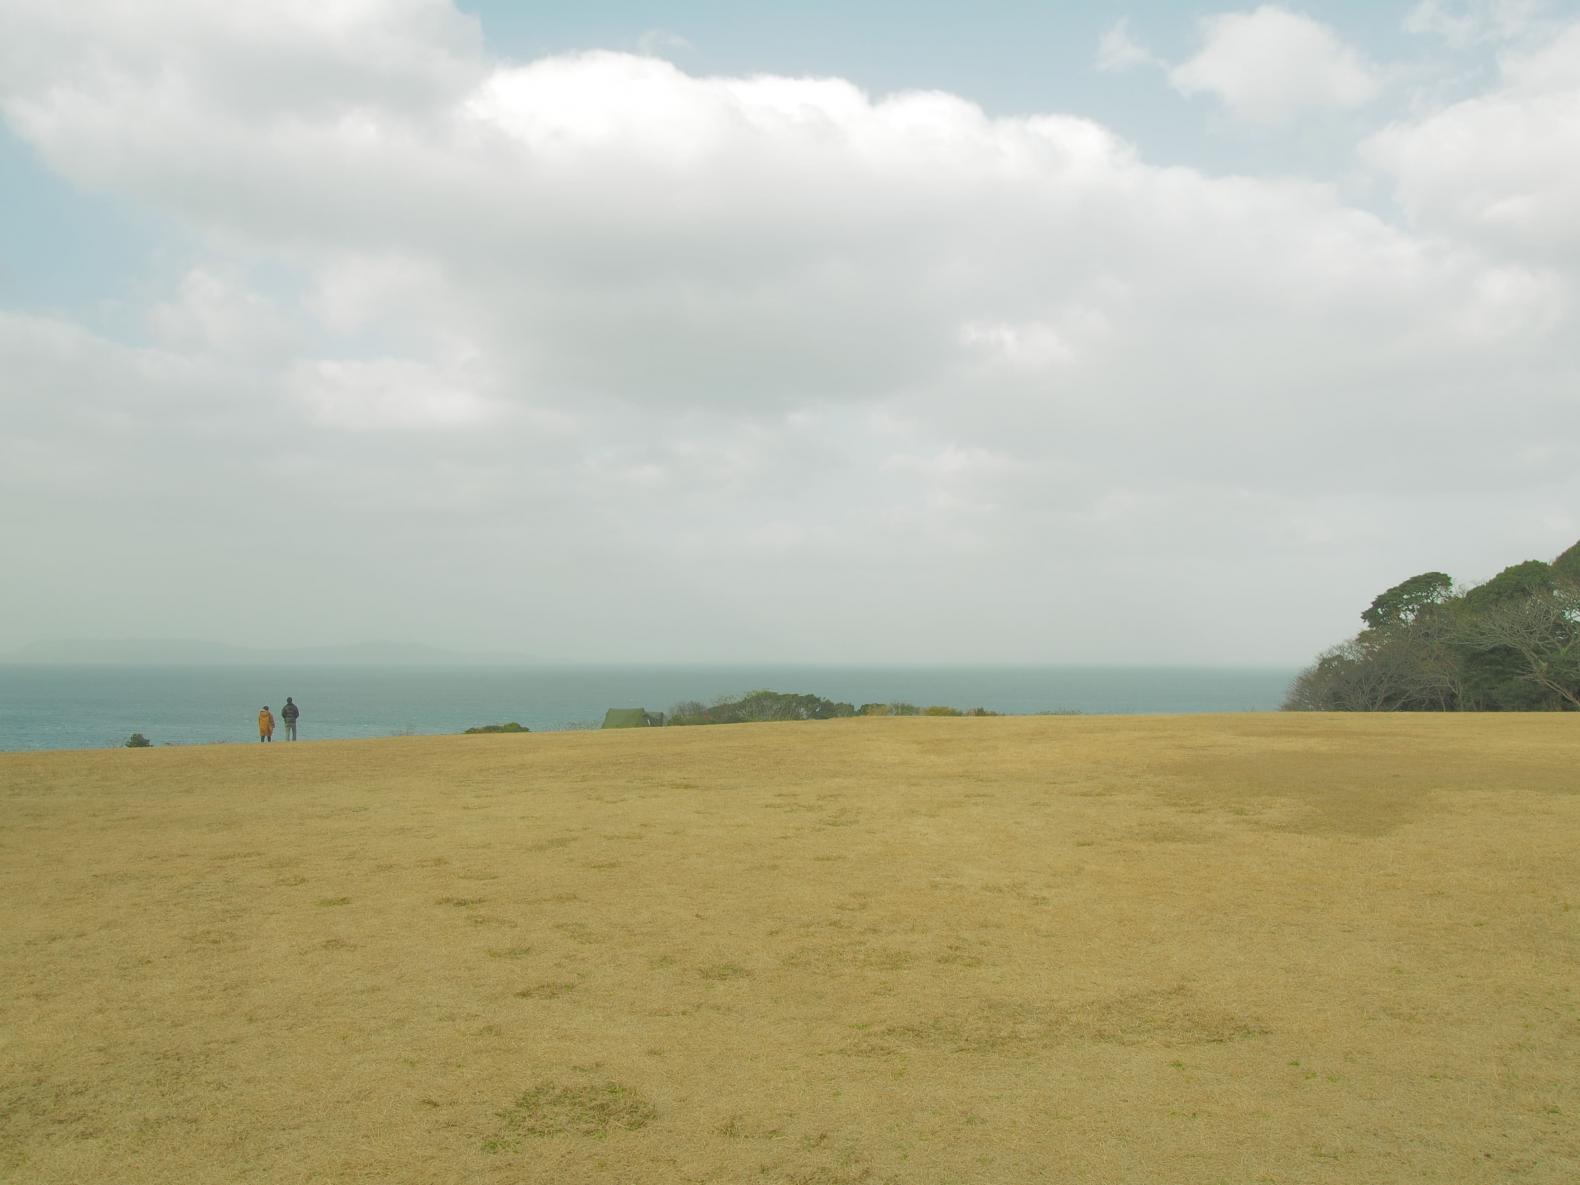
{"x": 591, "y": 1111}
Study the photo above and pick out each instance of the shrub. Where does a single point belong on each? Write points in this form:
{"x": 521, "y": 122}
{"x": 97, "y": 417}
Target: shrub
{"x": 903, "y": 709}
{"x": 757, "y": 706}
{"x": 511, "y": 727}
{"x": 779, "y": 705}
{"x": 138, "y": 741}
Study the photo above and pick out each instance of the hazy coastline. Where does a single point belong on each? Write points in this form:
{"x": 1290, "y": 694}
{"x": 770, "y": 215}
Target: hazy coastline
{"x": 83, "y": 705}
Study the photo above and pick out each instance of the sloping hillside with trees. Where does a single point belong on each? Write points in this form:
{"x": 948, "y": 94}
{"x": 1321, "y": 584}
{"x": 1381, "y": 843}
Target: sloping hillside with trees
{"x": 1509, "y": 645}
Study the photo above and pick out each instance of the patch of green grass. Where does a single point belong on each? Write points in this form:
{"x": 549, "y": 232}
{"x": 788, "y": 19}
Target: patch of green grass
{"x": 333, "y": 901}
{"x": 509, "y": 952}
{"x": 722, "y": 971}
{"x": 547, "y": 991}
{"x": 553, "y": 1108}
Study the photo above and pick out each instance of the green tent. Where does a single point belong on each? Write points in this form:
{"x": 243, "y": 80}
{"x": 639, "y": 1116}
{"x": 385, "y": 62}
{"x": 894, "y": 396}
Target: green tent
{"x": 631, "y": 718}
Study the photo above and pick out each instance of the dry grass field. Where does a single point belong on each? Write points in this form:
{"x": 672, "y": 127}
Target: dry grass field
{"x": 1292, "y": 949}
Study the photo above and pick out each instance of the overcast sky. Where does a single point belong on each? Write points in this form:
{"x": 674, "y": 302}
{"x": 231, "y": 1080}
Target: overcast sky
{"x": 879, "y": 332}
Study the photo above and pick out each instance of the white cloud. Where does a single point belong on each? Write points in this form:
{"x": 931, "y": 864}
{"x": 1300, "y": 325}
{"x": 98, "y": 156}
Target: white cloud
{"x": 1117, "y": 50}
{"x": 388, "y": 394}
{"x": 537, "y": 335}
{"x": 658, "y": 42}
{"x": 1502, "y": 167}
{"x": 211, "y": 312}
{"x": 1469, "y": 22}
{"x": 1271, "y": 65}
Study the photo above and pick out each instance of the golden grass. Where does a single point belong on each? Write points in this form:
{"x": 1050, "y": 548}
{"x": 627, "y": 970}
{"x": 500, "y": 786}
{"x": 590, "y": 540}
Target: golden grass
{"x": 1292, "y": 949}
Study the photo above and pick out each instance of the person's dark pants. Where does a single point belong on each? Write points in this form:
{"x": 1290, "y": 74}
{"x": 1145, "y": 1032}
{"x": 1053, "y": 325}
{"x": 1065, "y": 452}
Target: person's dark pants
{"x": 290, "y": 730}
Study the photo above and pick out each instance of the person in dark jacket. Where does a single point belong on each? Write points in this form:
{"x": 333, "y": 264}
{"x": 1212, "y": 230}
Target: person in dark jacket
{"x": 289, "y": 713}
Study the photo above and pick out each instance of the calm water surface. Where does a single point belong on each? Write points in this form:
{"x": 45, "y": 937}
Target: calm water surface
{"x": 80, "y": 707}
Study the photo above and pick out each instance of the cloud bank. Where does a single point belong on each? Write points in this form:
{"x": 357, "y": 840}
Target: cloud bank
{"x": 594, "y": 357}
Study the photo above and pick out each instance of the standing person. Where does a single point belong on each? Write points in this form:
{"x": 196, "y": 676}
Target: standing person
{"x": 266, "y": 724}
{"x": 289, "y": 713}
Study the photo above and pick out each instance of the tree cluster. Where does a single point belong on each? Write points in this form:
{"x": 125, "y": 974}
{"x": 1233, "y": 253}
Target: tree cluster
{"x": 782, "y": 705}
{"x": 759, "y": 706}
{"x": 1509, "y": 645}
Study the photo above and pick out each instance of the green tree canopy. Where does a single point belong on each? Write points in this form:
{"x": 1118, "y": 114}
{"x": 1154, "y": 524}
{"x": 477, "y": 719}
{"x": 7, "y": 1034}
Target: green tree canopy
{"x": 1515, "y": 582}
{"x": 1567, "y": 566}
{"x": 1404, "y": 601}
{"x": 1509, "y": 645}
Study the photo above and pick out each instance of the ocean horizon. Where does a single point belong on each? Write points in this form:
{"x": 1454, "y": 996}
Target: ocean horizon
{"x": 88, "y": 706}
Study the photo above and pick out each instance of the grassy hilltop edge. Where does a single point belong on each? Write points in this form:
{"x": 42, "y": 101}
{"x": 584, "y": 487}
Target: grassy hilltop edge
{"x": 1261, "y": 948}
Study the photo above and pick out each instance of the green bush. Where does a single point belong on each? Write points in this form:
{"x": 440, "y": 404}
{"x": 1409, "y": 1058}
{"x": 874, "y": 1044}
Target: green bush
{"x": 904, "y": 709}
{"x": 779, "y": 705}
{"x": 138, "y": 741}
{"x": 757, "y": 706}
{"x": 511, "y": 727}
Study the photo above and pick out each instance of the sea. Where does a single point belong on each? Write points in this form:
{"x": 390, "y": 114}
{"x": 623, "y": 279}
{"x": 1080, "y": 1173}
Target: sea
{"x": 86, "y": 707}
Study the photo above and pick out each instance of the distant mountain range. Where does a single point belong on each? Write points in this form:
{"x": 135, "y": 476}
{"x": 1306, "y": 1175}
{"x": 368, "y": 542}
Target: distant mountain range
{"x": 188, "y": 652}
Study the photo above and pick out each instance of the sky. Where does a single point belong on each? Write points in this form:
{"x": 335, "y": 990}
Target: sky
{"x": 1124, "y": 333}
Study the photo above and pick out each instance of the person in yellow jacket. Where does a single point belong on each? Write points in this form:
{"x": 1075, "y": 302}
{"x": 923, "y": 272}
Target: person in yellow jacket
{"x": 266, "y": 724}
